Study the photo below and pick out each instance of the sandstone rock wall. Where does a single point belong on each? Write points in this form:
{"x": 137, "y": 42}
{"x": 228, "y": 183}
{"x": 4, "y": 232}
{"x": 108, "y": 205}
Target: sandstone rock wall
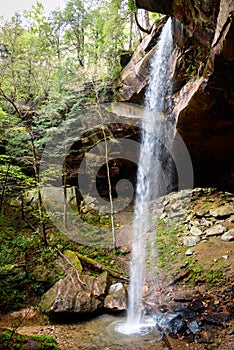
{"x": 203, "y": 82}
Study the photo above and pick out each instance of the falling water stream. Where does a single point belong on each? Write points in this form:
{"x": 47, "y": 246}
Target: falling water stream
{"x": 152, "y": 179}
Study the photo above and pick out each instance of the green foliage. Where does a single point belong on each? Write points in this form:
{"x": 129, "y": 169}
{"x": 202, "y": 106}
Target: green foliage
{"x": 48, "y": 65}
{"x": 26, "y": 269}
{"x": 156, "y": 16}
{"x": 170, "y": 249}
{"x": 172, "y": 256}
{"x": 191, "y": 70}
{"x": 13, "y": 341}
{"x": 25, "y": 59}
{"x": 132, "y": 6}
{"x": 211, "y": 274}
{"x": 195, "y": 61}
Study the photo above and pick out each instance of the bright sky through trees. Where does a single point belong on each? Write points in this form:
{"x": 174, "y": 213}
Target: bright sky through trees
{"x": 9, "y": 7}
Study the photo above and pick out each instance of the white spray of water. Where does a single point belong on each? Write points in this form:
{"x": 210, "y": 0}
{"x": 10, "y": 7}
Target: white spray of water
{"x": 152, "y": 179}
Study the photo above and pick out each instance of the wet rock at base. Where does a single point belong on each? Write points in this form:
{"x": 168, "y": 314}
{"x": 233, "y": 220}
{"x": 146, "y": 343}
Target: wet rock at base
{"x": 194, "y": 327}
{"x": 218, "y": 319}
{"x": 175, "y": 325}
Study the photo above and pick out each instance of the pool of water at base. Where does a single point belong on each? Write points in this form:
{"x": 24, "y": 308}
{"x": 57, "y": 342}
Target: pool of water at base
{"x": 104, "y": 333}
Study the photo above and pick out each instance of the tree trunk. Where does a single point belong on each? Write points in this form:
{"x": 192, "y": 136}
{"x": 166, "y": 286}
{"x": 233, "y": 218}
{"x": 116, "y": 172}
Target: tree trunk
{"x": 107, "y": 169}
{"x": 40, "y": 203}
{"x": 110, "y": 191}
{"x": 131, "y": 32}
{"x": 65, "y": 200}
{"x": 101, "y": 267}
{"x": 4, "y": 189}
{"x": 147, "y": 31}
{"x": 146, "y": 20}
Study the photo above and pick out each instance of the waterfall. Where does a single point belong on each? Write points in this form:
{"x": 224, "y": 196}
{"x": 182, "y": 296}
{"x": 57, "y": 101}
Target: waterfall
{"x": 152, "y": 179}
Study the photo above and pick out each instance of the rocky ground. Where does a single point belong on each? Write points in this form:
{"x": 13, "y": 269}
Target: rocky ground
{"x": 202, "y": 286}
{"x": 195, "y": 236}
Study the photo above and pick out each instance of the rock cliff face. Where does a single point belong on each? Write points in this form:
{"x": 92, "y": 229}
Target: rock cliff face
{"x": 204, "y": 80}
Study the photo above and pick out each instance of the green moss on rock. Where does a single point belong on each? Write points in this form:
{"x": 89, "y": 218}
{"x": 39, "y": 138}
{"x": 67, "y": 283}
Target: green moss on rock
{"x": 74, "y": 260}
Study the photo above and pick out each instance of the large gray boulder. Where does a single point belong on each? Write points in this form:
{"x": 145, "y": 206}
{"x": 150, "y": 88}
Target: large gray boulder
{"x": 78, "y": 295}
{"x": 75, "y": 294}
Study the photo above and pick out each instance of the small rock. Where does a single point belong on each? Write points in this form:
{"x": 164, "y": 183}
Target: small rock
{"x": 177, "y": 214}
{"x": 205, "y": 222}
{"x": 197, "y": 305}
{"x": 85, "y": 210}
{"x": 163, "y": 216}
{"x": 195, "y": 223}
{"x": 218, "y": 319}
{"x": 202, "y": 212}
{"x": 91, "y": 215}
{"x": 117, "y": 298}
{"x": 189, "y": 252}
{"x": 215, "y": 230}
{"x": 115, "y": 288}
{"x": 184, "y": 265}
{"x": 163, "y": 308}
{"x": 225, "y": 257}
{"x": 175, "y": 325}
{"x": 191, "y": 241}
{"x": 193, "y": 327}
{"x": 176, "y": 206}
{"x": 195, "y": 231}
{"x": 228, "y": 236}
{"x": 222, "y": 211}
{"x": 219, "y": 221}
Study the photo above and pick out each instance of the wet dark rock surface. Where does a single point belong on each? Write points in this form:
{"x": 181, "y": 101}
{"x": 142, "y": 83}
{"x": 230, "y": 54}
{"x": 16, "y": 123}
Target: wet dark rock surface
{"x": 205, "y": 320}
